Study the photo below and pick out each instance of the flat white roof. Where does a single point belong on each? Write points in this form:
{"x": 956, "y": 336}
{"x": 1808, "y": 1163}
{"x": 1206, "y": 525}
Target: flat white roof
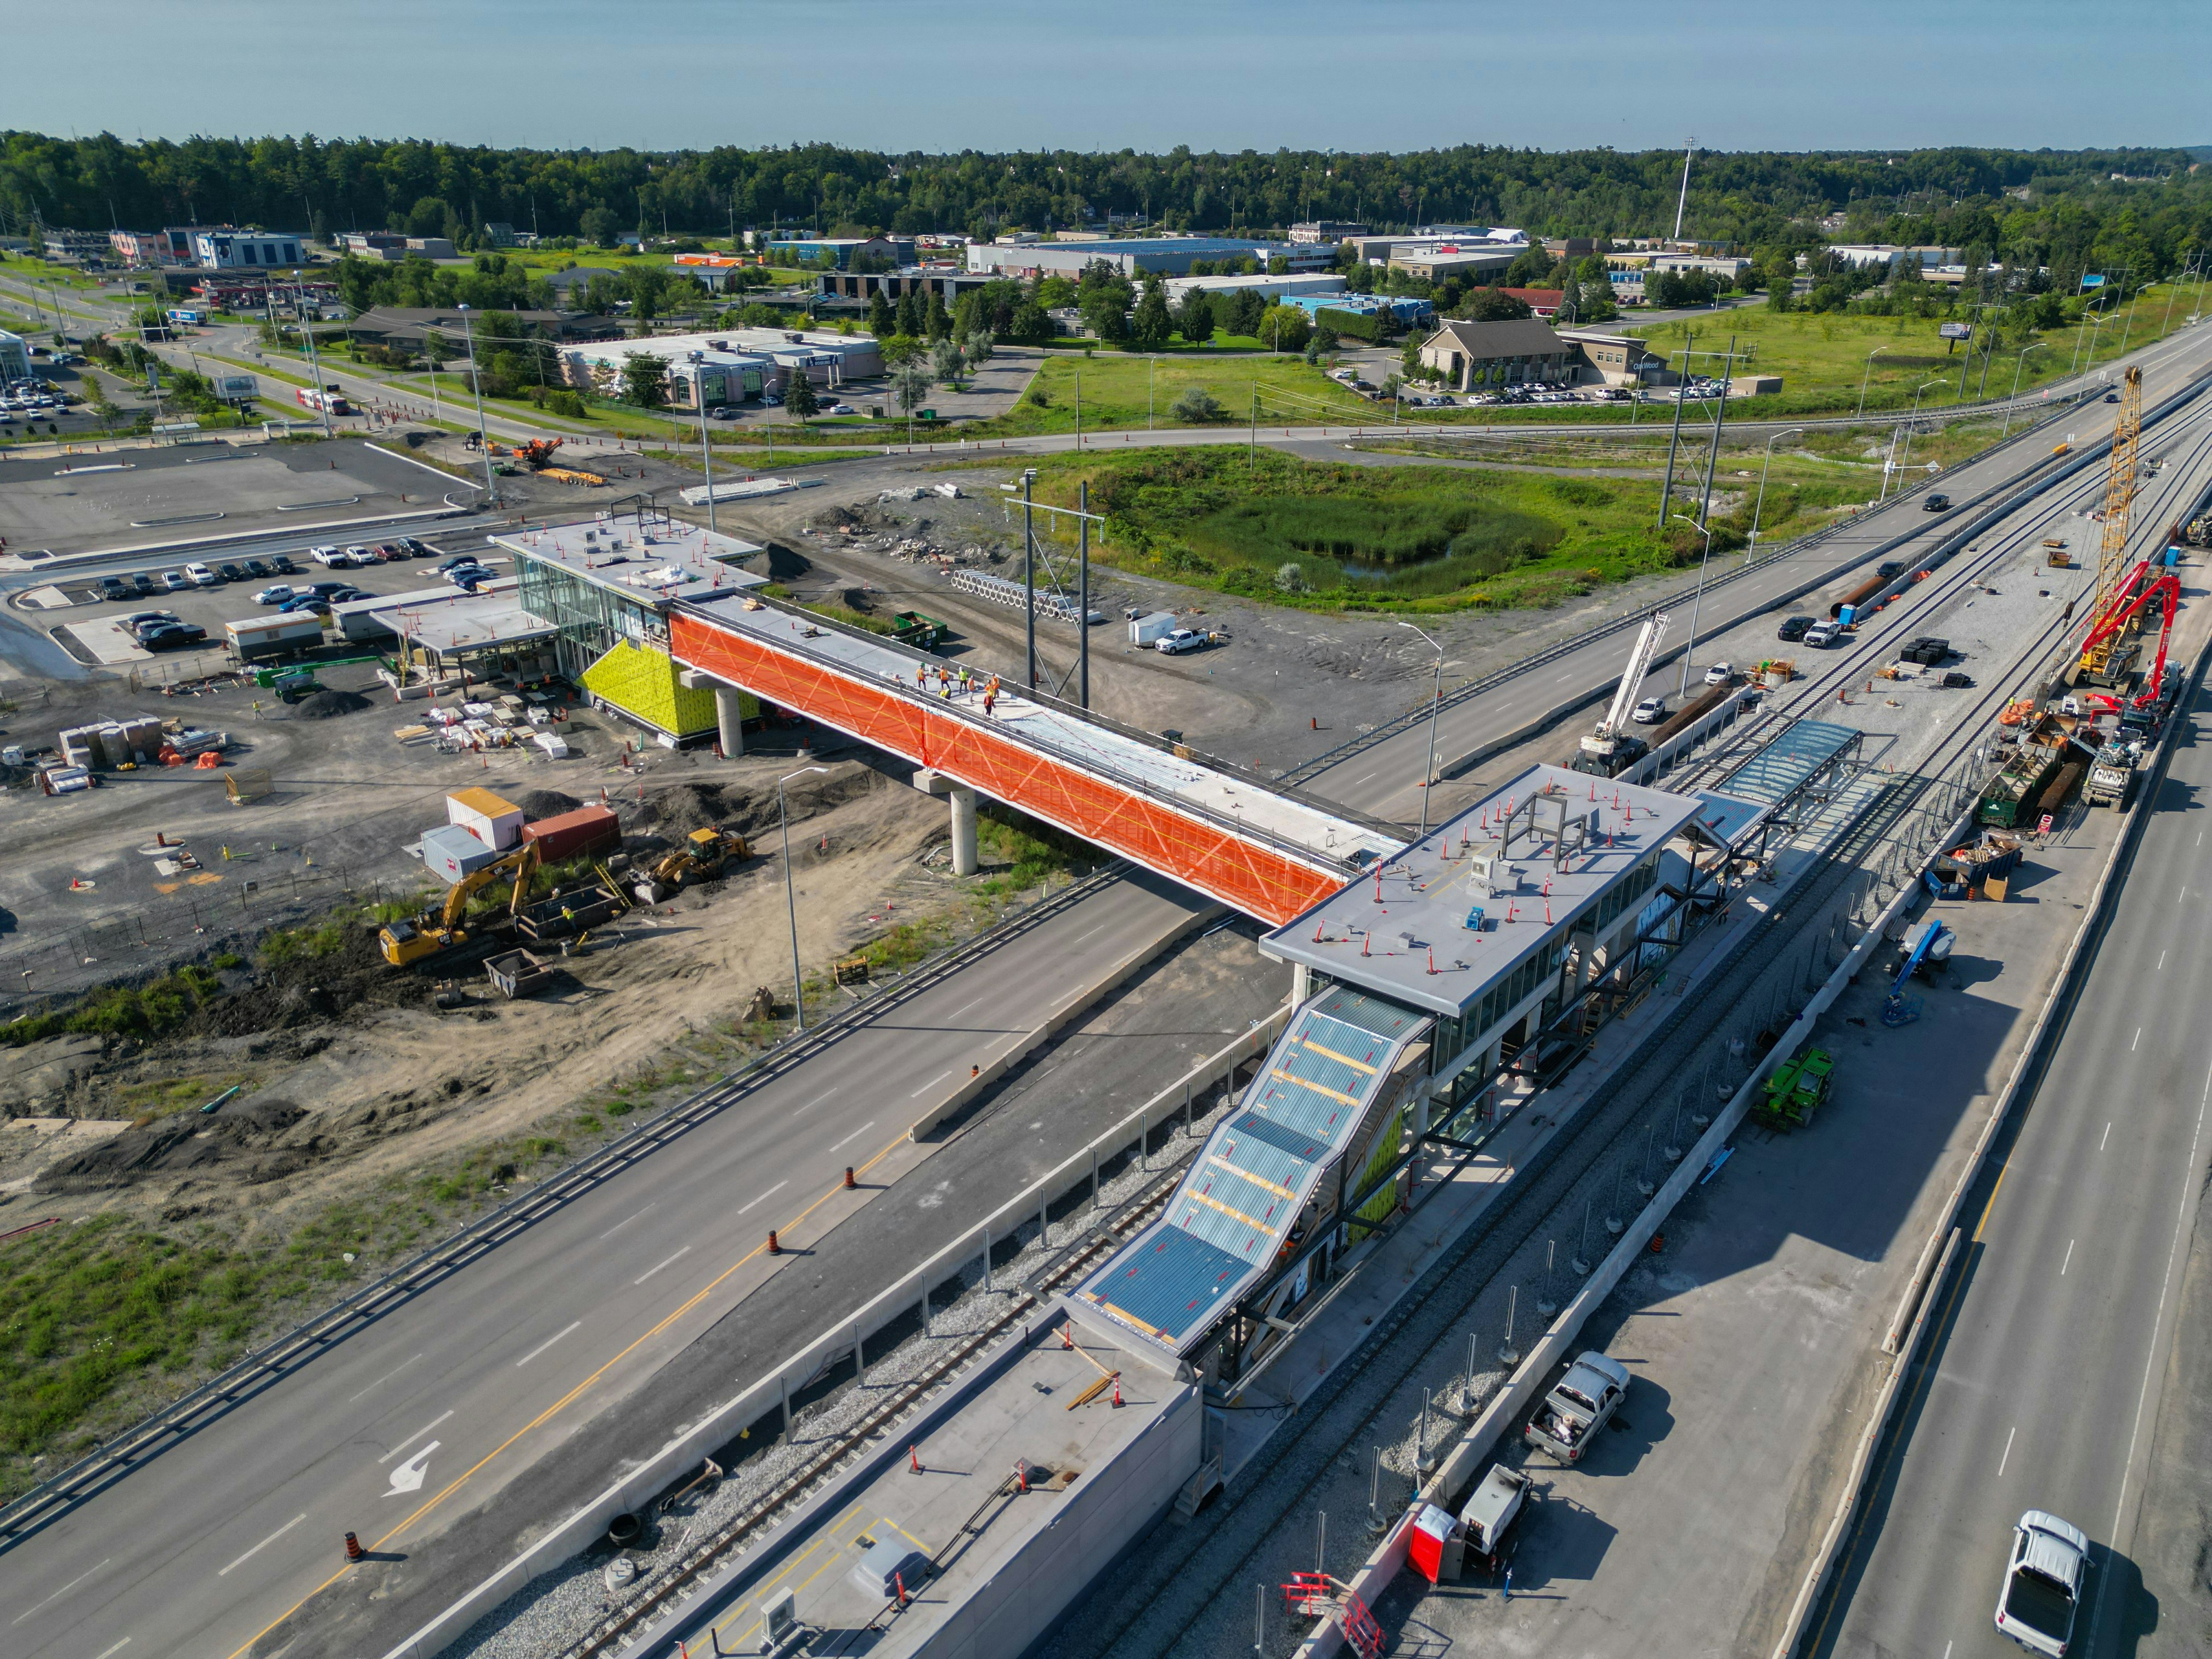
{"x": 668, "y": 561}
{"x": 464, "y": 621}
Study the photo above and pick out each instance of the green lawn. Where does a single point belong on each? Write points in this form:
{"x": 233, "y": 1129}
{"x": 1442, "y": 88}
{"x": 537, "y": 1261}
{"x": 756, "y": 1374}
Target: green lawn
{"x": 1822, "y": 356}
{"x": 1332, "y": 536}
{"x": 1122, "y": 391}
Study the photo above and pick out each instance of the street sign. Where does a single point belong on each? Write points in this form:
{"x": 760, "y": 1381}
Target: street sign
{"x": 1955, "y": 332}
{"x": 238, "y": 388}
{"x": 2044, "y": 827}
{"x": 2092, "y": 282}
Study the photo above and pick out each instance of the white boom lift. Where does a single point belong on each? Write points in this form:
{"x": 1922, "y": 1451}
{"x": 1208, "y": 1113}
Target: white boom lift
{"x": 1610, "y": 749}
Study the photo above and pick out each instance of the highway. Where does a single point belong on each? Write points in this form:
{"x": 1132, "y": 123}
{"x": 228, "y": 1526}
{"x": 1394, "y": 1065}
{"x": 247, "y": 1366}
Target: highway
{"x": 522, "y": 1353}
{"x": 2045, "y": 1365}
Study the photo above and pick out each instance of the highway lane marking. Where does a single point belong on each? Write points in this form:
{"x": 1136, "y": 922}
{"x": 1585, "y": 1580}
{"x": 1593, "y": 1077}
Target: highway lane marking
{"x": 2181, "y": 1230}
{"x": 255, "y": 1551}
{"x": 384, "y": 1379}
{"x": 562, "y": 1403}
{"x": 1992, "y": 1203}
{"x": 126, "y": 1642}
{"x": 2162, "y": 963}
{"x": 928, "y": 1086}
{"x": 1080, "y": 937}
{"x": 2007, "y": 1458}
{"x": 58, "y": 1594}
{"x": 624, "y": 1222}
{"x": 2068, "y": 1262}
{"x": 855, "y": 1135}
{"x": 413, "y": 1437}
{"x": 2131, "y": 1047}
{"x": 2105, "y": 1137}
{"x": 546, "y": 1344}
{"x": 780, "y": 1185}
{"x": 657, "y": 1266}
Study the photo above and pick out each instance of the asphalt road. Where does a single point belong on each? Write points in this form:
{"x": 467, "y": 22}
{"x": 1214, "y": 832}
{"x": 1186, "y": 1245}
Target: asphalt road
{"x": 249, "y": 1511}
{"x": 2045, "y": 1370}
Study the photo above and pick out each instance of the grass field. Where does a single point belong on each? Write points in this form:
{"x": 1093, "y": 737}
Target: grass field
{"x": 1335, "y": 537}
{"x": 1823, "y": 356}
{"x": 1119, "y": 391}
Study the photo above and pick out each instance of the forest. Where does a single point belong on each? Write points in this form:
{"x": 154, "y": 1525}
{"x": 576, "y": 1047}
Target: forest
{"x": 2068, "y": 210}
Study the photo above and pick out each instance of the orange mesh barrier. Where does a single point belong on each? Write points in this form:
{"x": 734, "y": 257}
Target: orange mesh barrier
{"x": 1250, "y": 875}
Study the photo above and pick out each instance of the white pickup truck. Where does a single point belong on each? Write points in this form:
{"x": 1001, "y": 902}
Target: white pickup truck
{"x": 1580, "y": 1404}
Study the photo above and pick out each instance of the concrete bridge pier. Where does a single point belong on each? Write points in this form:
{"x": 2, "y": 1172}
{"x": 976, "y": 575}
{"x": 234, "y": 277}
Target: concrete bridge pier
{"x": 963, "y": 815}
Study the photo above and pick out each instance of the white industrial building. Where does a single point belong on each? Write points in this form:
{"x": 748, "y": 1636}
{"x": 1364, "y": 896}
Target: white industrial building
{"x": 1270, "y": 288}
{"x": 14, "y": 357}
{"x": 251, "y": 250}
{"x": 729, "y": 367}
{"x": 1137, "y": 257}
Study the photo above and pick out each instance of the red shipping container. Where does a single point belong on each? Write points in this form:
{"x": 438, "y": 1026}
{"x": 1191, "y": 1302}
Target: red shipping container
{"x": 587, "y": 830}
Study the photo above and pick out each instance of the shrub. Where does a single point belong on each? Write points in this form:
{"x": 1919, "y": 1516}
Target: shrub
{"x": 1198, "y": 407}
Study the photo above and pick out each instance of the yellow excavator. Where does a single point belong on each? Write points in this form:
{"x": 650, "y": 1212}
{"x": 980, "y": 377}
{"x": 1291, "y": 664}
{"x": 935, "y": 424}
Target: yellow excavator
{"x": 703, "y": 855}
{"x": 435, "y": 932}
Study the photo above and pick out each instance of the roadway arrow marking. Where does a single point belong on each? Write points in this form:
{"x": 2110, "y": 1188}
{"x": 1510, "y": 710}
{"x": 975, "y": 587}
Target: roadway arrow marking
{"x": 408, "y": 1477}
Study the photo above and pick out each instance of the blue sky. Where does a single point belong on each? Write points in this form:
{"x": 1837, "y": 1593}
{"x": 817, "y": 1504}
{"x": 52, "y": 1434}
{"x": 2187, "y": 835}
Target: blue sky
{"x": 989, "y": 74}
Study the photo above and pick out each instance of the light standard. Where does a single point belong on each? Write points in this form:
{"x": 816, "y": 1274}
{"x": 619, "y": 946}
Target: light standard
{"x": 1691, "y": 644}
{"x": 1436, "y": 703}
{"x": 484, "y": 441}
{"x": 1787, "y": 431}
{"x": 790, "y": 897}
{"x": 1871, "y": 355}
{"x": 2036, "y": 345}
{"x": 706, "y": 444}
{"x": 1907, "y": 461}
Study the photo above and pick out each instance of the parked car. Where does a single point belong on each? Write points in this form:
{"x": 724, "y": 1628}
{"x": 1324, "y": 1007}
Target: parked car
{"x": 327, "y": 557}
{"x": 155, "y": 621}
{"x": 173, "y": 637}
{"x": 1937, "y": 503}
{"x": 230, "y": 573}
{"x": 1580, "y": 1404}
{"x": 313, "y": 604}
{"x": 114, "y": 587}
{"x": 276, "y": 595}
{"x": 259, "y": 569}
{"x": 175, "y": 581}
{"x": 358, "y": 554}
{"x": 1793, "y": 627}
{"x": 2043, "y": 1583}
{"x": 1889, "y": 567}
{"x": 840, "y": 408}
{"x": 1181, "y": 640}
{"x": 142, "y": 619}
{"x": 346, "y": 596}
{"x": 145, "y": 581}
{"x": 1820, "y": 635}
{"x": 455, "y": 563}
{"x": 202, "y": 576}
{"x": 324, "y": 590}
{"x": 283, "y": 565}
{"x": 1720, "y": 673}
{"x": 1650, "y": 711}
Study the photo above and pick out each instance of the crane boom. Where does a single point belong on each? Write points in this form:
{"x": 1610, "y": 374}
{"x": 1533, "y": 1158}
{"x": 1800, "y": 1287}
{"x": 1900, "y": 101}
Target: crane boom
{"x": 1639, "y": 664}
{"x": 2110, "y": 595}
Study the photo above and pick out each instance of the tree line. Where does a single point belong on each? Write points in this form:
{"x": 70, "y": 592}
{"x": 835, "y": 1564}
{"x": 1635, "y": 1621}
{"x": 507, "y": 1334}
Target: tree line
{"x": 2083, "y": 208}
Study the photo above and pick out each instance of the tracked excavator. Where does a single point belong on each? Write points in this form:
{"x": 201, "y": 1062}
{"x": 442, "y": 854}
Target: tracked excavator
{"x": 434, "y": 933}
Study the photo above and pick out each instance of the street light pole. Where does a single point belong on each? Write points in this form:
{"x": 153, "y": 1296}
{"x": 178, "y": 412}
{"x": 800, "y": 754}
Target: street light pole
{"x": 1787, "y": 431}
{"x": 790, "y": 897}
{"x": 1436, "y": 703}
{"x": 1690, "y": 645}
{"x": 706, "y": 445}
{"x": 1871, "y": 355}
{"x": 2033, "y": 345}
{"x": 314, "y": 366}
{"x": 1909, "y": 425}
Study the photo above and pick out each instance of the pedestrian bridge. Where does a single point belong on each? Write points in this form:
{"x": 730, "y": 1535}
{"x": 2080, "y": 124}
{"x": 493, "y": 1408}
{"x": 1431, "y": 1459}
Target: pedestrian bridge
{"x": 1251, "y": 844}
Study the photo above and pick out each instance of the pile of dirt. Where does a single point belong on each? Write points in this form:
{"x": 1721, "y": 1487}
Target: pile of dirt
{"x": 184, "y": 1141}
{"x": 325, "y": 704}
{"x": 671, "y": 814}
{"x": 307, "y": 990}
{"x": 540, "y": 804}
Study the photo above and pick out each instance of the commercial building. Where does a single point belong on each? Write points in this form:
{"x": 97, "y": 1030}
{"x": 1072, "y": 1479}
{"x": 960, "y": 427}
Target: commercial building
{"x": 606, "y": 589}
{"x": 75, "y": 246}
{"x": 1311, "y": 284}
{"x": 1472, "y": 356}
{"x": 409, "y": 326}
{"x": 14, "y": 357}
{"x": 1435, "y": 262}
{"x": 1326, "y": 230}
{"x": 254, "y": 250}
{"x": 1137, "y": 257}
{"x": 1859, "y": 255}
{"x": 947, "y": 282}
{"x": 841, "y": 251}
{"x": 1616, "y": 359}
{"x": 746, "y": 362}
{"x": 1409, "y": 311}
{"x": 1381, "y": 250}
{"x": 170, "y": 247}
{"x": 387, "y": 245}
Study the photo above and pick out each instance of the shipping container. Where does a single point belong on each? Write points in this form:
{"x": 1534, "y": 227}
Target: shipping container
{"x": 1150, "y": 630}
{"x": 261, "y": 638}
{"x": 450, "y": 852}
{"x": 495, "y": 821}
{"x": 587, "y": 830}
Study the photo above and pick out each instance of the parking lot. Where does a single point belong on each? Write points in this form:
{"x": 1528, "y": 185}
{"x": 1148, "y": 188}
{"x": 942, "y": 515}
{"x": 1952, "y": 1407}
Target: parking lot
{"x": 94, "y": 617}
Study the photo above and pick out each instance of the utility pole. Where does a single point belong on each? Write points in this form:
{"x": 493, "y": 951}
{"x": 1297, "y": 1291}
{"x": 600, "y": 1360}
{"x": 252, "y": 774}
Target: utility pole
{"x": 315, "y": 369}
{"x": 706, "y": 445}
{"x": 1255, "y": 458}
{"x": 1083, "y": 593}
{"x": 468, "y": 330}
{"x": 1667, "y": 489}
{"x": 1713, "y": 460}
{"x": 1028, "y": 573}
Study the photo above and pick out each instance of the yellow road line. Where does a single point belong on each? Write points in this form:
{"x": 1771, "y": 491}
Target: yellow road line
{"x": 561, "y": 1404}
{"x": 1991, "y": 1205}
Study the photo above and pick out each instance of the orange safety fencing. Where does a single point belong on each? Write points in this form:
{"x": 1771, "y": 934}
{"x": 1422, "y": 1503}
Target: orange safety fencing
{"x": 1246, "y": 873}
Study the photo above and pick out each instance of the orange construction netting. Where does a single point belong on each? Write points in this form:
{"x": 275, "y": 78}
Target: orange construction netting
{"x": 1250, "y": 875}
